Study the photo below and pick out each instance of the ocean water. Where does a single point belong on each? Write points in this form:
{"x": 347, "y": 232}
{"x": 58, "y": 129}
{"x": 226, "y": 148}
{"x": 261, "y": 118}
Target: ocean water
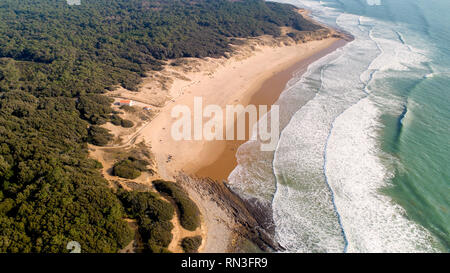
{"x": 363, "y": 160}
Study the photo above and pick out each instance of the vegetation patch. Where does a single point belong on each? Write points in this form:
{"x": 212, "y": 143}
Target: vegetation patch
{"x": 130, "y": 168}
{"x": 99, "y": 136}
{"x": 118, "y": 121}
{"x": 94, "y": 108}
{"x": 189, "y": 212}
{"x": 128, "y": 108}
{"x": 191, "y": 244}
{"x": 126, "y": 123}
{"x": 153, "y": 215}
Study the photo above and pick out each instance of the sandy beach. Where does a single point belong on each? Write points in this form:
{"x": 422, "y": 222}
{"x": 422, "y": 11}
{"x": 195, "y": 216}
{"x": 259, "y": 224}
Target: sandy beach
{"x": 258, "y": 78}
{"x": 255, "y": 73}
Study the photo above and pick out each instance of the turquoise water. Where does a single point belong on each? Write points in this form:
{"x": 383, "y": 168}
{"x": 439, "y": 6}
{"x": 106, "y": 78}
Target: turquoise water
{"x": 422, "y": 183}
{"x": 362, "y": 164}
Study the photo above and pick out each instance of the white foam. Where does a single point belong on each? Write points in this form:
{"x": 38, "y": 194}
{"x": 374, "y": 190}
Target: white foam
{"x": 302, "y": 205}
{"x": 372, "y": 221}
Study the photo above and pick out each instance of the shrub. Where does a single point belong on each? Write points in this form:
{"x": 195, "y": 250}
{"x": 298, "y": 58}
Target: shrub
{"x": 159, "y": 233}
{"x": 130, "y": 168}
{"x": 126, "y": 123}
{"x": 191, "y": 244}
{"x": 128, "y": 108}
{"x": 152, "y": 248}
{"x": 96, "y": 164}
{"x": 116, "y": 120}
{"x": 189, "y": 212}
{"x": 99, "y": 136}
{"x": 153, "y": 215}
{"x": 147, "y": 204}
{"x": 126, "y": 169}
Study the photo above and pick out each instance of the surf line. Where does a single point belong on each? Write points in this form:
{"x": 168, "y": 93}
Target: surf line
{"x": 366, "y": 92}
{"x": 339, "y": 219}
{"x": 344, "y": 236}
{"x": 331, "y": 190}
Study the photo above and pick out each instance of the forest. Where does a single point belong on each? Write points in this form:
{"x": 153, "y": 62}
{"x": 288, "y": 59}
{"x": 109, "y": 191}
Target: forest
{"x": 55, "y": 62}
